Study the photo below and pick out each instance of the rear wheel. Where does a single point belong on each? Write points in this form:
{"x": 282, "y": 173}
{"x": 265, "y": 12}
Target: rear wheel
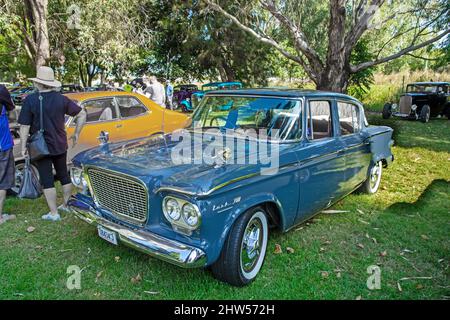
{"x": 425, "y": 114}
{"x": 387, "y": 111}
{"x": 372, "y": 184}
{"x": 244, "y": 250}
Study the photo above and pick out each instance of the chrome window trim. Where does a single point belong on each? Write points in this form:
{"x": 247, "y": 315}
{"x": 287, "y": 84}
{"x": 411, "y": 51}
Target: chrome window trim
{"x": 307, "y": 113}
{"x": 147, "y": 110}
{"x": 361, "y": 112}
{"x": 82, "y": 105}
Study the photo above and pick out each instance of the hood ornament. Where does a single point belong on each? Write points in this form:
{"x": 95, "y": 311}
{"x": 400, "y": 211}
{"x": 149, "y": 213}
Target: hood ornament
{"x": 103, "y": 138}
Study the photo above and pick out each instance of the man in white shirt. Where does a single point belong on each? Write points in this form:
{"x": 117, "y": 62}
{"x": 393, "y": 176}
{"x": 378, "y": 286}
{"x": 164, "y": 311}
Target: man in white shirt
{"x": 156, "y": 91}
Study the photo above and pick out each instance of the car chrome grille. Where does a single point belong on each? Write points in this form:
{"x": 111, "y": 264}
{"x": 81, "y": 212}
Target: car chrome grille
{"x": 124, "y": 196}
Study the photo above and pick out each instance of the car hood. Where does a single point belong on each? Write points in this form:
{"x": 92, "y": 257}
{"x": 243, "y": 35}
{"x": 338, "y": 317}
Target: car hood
{"x": 150, "y": 160}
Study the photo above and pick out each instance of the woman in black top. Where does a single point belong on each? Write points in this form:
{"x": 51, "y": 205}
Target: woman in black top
{"x": 55, "y": 107}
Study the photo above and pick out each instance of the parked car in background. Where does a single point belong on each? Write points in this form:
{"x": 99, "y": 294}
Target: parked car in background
{"x": 122, "y": 115}
{"x": 220, "y": 214}
{"x": 182, "y": 93}
{"x": 421, "y": 101}
{"x": 71, "y": 88}
{"x": 20, "y": 94}
{"x": 188, "y": 104}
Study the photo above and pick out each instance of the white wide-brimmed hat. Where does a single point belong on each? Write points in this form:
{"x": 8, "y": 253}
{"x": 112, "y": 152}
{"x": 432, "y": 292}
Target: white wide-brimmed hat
{"x": 46, "y": 76}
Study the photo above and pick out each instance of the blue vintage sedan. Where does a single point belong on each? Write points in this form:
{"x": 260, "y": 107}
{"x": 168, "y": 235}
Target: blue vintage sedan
{"x": 249, "y": 162}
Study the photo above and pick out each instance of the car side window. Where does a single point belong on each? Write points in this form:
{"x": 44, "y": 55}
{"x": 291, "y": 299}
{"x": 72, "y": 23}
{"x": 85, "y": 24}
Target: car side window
{"x": 130, "y": 107}
{"x": 100, "y": 110}
{"x": 349, "y": 118}
{"x": 319, "y": 120}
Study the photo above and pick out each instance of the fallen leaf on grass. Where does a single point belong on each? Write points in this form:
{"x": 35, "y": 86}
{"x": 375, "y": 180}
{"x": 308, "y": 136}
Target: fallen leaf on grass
{"x": 360, "y": 245}
{"x": 30, "y": 229}
{"x": 358, "y": 298}
{"x": 362, "y": 221}
{"x": 322, "y": 250}
{"x": 383, "y": 253}
{"x": 136, "y": 279}
{"x": 117, "y": 259}
{"x": 399, "y": 287}
{"x": 278, "y": 249}
{"x": 360, "y": 211}
{"x": 419, "y": 286}
{"x": 425, "y": 237}
{"x": 335, "y": 211}
{"x": 151, "y": 292}
{"x": 98, "y": 276}
{"x": 290, "y": 250}
{"x": 324, "y": 274}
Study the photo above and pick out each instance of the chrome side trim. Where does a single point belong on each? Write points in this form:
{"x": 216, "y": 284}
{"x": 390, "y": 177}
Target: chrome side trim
{"x": 152, "y": 244}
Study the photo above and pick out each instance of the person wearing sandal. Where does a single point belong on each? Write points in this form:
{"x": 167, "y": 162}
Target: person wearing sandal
{"x": 7, "y": 171}
{"x": 55, "y": 107}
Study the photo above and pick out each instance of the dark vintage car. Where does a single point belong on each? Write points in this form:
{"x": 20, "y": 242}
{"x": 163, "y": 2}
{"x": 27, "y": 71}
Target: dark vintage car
{"x": 218, "y": 214}
{"x": 182, "y": 92}
{"x": 421, "y": 101}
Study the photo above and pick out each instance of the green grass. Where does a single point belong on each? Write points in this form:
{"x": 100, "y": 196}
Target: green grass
{"x": 408, "y": 220}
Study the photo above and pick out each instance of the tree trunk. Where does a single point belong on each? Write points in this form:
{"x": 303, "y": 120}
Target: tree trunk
{"x": 336, "y": 73}
{"x": 37, "y": 15}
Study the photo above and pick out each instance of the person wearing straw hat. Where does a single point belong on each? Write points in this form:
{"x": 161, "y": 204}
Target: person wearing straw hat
{"x": 55, "y": 107}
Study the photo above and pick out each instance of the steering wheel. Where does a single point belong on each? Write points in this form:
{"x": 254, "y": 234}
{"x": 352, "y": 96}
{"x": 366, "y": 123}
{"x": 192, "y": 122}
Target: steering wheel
{"x": 215, "y": 119}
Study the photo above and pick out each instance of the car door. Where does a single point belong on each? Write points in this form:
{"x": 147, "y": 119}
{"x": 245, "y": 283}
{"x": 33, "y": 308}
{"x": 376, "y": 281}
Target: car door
{"x": 136, "y": 119}
{"x": 356, "y": 142}
{"x": 321, "y": 160}
{"x": 101, "y": 115}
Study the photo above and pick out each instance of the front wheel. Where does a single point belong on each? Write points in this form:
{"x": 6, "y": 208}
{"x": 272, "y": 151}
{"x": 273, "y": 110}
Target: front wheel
{"x": 387, "y": 111}
{"x": 244, "y": 250}
{"x": 372, "y": 184}
{"x": 425, "y": 114}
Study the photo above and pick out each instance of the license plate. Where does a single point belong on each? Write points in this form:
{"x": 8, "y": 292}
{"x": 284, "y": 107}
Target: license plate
{"x": 107, "y": 235}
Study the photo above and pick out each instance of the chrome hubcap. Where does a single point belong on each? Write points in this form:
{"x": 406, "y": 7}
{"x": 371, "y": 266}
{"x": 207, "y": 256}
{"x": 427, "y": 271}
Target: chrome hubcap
{"x": 251, "y": 245}
{"x": 375, "y": 176}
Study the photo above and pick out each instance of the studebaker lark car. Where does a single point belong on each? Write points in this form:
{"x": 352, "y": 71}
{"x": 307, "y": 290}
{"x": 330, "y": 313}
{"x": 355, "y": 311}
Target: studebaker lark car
{"x": 421, "y": 101}
{"x": 219, "y": 214}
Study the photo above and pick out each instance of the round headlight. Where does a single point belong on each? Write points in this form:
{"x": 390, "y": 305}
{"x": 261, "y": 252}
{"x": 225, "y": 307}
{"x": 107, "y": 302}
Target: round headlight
{"x": 413, "y": 107}
{"x": 394, "y": 106}
{"x": 76, "y": 175}
{"x": 191, "y": 215}
{"x": 172, "y": 209}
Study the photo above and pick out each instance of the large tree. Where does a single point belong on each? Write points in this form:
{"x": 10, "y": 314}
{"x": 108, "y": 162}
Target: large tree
{"x": 322, "y": 36}
{"x": 29, "y": 19}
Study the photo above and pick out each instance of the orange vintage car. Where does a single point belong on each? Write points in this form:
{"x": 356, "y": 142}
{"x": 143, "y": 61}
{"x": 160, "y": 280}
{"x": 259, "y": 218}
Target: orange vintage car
{"x": 123, "y": 115}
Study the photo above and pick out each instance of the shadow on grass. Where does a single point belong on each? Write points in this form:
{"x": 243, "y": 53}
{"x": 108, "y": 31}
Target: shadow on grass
{"x": 415, "y": 134}
{"x": 435, "y": 194}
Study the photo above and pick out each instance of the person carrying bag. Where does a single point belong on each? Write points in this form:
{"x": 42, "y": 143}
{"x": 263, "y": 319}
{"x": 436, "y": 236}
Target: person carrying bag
{"x": 43, "y": 116}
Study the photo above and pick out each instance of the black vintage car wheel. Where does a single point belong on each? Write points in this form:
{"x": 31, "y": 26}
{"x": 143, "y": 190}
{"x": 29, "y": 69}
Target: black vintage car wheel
{"x": 244, "y": 250}
{"x": 387, "y": 111}
{"x": 425, "y": 114}
{"x": 372, "y": 184}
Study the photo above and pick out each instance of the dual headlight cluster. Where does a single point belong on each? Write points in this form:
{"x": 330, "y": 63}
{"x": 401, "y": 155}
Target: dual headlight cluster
{"x": 181, "y": 213}
{"x": 77, "y": 177}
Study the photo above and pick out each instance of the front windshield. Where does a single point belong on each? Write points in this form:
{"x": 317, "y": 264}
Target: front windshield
{"x": 421, "y": 88}
{"x": 278, "y": 118}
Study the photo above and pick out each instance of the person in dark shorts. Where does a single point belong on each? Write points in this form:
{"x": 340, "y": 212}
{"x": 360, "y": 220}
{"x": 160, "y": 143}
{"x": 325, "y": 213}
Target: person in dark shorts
{"x": 55, "y": 107}
{"x": 7, "y": 171}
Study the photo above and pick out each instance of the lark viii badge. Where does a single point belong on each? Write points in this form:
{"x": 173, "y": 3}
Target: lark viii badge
{"x": 226, "y": 205}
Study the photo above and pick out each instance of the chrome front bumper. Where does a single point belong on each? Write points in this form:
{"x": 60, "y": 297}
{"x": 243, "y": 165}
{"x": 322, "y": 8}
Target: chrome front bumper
{"x": 162, "y": 248}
